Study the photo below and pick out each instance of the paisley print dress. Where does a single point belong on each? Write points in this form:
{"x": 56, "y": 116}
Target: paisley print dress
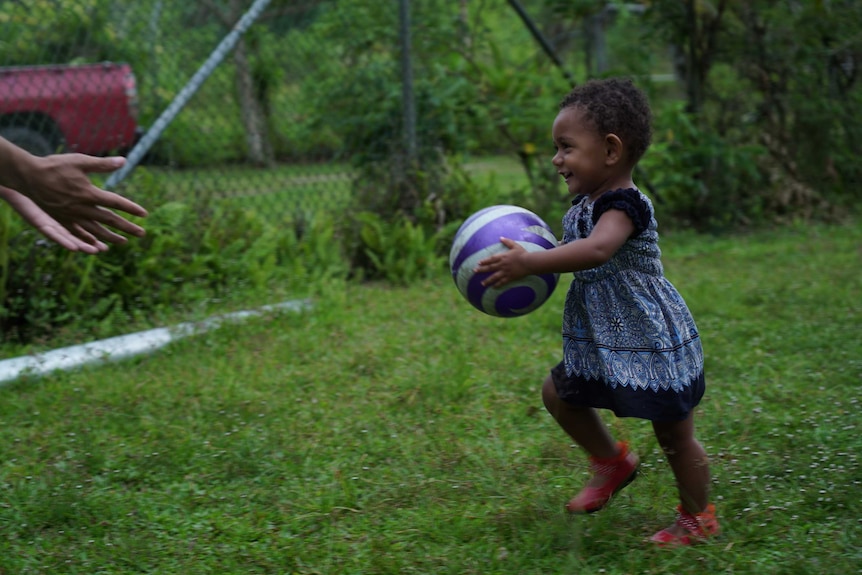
{"x": 630, "y": 343}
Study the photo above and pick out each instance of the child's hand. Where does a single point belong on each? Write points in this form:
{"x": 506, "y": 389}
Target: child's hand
{"x": 506, "y": 267}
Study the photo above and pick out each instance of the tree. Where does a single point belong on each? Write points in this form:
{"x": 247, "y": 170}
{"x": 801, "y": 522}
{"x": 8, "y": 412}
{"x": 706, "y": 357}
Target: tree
{"x": 251, "y": 93}
{"x": 57, "y": 32}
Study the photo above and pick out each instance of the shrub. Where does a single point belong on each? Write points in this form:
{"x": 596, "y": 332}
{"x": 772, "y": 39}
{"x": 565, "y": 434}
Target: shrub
{"x": 192, "y": 253}
{"x": 404, "y": 218}
{"x": 707, "y": 182}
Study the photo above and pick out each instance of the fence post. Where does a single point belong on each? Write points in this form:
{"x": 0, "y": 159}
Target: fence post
{"x": 540, "y": 38}
{"x": 407, "y": 94}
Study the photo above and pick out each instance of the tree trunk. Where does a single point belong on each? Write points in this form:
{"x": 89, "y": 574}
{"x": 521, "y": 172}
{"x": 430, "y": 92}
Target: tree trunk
{"x": 251, "y": 110}
{"x": 694, "y": 72}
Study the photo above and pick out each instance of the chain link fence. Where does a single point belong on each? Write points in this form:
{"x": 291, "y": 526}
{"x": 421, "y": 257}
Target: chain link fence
{"x": 101, "y": 77}
{"x": 94, "y": 75}
{"x": 238, "y": 121}
{"x": 242, "y": 120}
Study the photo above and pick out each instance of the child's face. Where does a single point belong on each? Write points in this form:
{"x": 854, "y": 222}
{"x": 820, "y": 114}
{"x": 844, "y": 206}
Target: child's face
{"x": 582, "y": 153}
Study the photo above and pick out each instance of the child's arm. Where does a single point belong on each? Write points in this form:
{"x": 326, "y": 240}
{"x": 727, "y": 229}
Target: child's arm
{"x": 609, "y": 234}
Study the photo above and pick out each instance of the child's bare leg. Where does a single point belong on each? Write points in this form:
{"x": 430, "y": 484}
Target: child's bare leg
{"x": 687, "y": 459}
{"x": 582, "y": 424}
{"x": 613, "y": 465}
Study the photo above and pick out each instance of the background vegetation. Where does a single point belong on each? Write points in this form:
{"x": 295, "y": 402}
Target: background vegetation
{"x": 290, "y": 165}
{"x": 392, "y": 428}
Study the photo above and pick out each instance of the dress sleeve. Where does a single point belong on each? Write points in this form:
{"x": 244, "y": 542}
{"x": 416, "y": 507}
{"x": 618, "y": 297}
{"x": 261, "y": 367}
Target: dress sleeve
{"x": 628, "y": 201}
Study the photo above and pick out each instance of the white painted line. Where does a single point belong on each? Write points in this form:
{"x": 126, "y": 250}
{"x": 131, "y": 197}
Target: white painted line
{"x": 124, "y": 346}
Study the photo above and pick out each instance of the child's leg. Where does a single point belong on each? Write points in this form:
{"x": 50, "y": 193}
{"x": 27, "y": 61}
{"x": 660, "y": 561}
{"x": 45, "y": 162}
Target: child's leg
{"x": 687, "y": 459}
{"x": 696, "y": 518}
{"x": 582, "y": 424}
{"x": 613, "y": 465}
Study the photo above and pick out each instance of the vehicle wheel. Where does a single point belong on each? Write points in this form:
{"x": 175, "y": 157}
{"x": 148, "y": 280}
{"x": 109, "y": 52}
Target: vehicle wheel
{"x": 29, "y": 139}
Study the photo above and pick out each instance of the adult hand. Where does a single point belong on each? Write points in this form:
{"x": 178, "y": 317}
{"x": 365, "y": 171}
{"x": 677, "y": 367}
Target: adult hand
{"x": 60, "y": 192}
{"x": 48, "y": 226}
{"x": 59, "y": 185}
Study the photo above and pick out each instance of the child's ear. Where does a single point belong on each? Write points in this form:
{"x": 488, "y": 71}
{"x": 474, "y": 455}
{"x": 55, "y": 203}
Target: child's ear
{"x": 613, "y": 149}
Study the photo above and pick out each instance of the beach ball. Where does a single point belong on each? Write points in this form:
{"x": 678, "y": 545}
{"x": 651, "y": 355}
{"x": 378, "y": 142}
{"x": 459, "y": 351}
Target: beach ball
{"x": 479, "y": 237}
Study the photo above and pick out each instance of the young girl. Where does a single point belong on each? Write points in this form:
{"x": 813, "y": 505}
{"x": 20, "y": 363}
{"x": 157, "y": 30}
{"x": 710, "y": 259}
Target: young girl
{"x": 629, "y": 342}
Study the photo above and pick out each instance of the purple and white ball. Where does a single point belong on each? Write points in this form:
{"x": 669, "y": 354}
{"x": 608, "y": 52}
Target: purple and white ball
{"x": 479, "y": 237}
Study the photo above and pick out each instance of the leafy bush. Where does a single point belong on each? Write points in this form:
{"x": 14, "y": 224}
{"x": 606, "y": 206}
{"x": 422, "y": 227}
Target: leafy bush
{"x": 706, "y": 181}
{"x": 399, "y": 252}
{"x": 402, "y": 221}
{"x": 192, "y": 253}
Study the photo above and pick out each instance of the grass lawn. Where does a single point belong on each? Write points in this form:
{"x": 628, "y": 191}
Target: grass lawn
{"x": 392, "y": 431}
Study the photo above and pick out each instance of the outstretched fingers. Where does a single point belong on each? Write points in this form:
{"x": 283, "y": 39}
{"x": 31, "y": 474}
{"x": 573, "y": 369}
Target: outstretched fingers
{"x": 65, "y": 238}
{"x": 97, "y": 230}
{"x": 49, "y": 227}
{"x": 105, "y": 216}
{"x": 96, "y": 219}
{"x": 116, "y": 201}
{"x": 89, "y": 242}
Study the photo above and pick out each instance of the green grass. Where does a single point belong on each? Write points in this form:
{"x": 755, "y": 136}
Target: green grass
{"x": 401, "y": 431}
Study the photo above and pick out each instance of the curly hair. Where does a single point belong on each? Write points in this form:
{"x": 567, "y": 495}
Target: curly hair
{"x": 615, "y": 106}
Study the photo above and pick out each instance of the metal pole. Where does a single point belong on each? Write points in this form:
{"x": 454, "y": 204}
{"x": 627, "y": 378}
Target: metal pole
{"x": 409, "y": 102}
{"x": 540, "y": 38}
{"x": 155, "y": 34}
{"x": 225, "y": 46}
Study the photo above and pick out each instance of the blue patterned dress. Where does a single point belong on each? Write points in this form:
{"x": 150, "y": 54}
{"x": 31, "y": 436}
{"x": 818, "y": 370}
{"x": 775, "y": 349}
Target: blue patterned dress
{"x": 630, "y": 343}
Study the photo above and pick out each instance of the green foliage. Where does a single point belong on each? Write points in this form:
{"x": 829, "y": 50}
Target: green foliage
{"x": 58, "y": 31}
{"x": 192, "y": 253}
{"x": 468, "y": 100}
{"x": 362, "y": 98}
{"x": 310, "y": 251}
{"x": 406, "y": 219}
{"x": 706, "y": 181}
{"x": 780, "y": 78}
{"x": 520, "y": 108}
{"x": 400, "y": 251}
{"x": 809, "y": 89}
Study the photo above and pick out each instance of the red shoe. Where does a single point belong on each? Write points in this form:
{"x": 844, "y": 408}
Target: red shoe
{"x": 612, "y": 474}
{"x": 696, "y": 528}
